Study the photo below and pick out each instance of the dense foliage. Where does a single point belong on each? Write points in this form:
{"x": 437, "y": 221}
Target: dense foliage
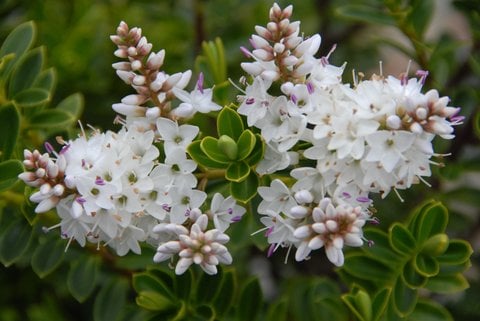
{"x": 421, "y": 250}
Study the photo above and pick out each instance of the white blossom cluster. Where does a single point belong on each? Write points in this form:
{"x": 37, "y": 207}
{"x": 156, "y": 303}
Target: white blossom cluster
{"x": 370, "y": 138}
{"x": 115, "y": 189}
{"x": 341, "y": 143}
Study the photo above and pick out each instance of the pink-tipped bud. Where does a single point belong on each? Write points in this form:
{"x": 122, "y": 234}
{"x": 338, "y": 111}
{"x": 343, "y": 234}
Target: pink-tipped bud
{"x": 139, "y": 80}
{"x": 263, "y": 32}
{"x": 421, "y": 113}
{"x": 287, "y": 12}
{"x": 279, "y": 48}
{"x": 58, "y": 190}
{"x": 303, "y": 196}
{"x": 272, "y": 27}
{"x": 262, "y": 54}
{"x": 155, "y": 60}
{"x": 136, "y": 65}
{"x": 184, "y": 80}
{"x": 394, "y": 122}
{"x": 134, "y": 99}
{"x": 290, "y": 61}
{"x": 153, "y": 113}
{"x": 126, "y": 76}
{"x": 298, "y": 212}
{"x": 132, "y": 51}
{"x": 251, "y": 68}
{"x": 129, "y": 110}
{"x": 122, "y": 65}
{"x": 172, "y": 80}
{"x": 259, "y": 42}
{"x": 283, "y": 25}
{"x": 121, "y": 53}
{"x": 275, "y": 12}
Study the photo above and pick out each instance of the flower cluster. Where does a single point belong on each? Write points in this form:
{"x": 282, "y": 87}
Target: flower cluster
{"x": 340, "y": 142}
{"x": 373, "y": 137}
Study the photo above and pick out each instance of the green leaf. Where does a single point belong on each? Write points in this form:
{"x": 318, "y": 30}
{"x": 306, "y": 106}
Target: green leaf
{"x": 379, "y": 303}
{"x": 458, "y": 251}
{"x": 359, "y": 303}
{"x": 110, "y": 300}
{"x": 209, "y": 146}
{"x": 237, "y": 172}
{"x": 426, "y": 265}
{"x": 429, "y": 311}
{"x": 433, "y": 220}
{"x": 154, "y": 301}
{"x": 365, "y": 13}
{"x": 420, "y": 15}
{"x": 146, "y": 282}
{"x": 82, "y": 277}
{"x": 73, "y": 105}
{"x": 411, "y": 277}
{"x": 26, "y": 71}
{"x": 51, "y": 119}
{"x": 14, "y": 241}
{"x": 9, "y": 131}
{"x": 476, "y": 124}
{"x": 224, "y": 299}
{"x": 17, "y": 42}
{"x": 229, "y": 123}
{"x": 183, "y": 284}
{"x": 208, "y": 286}
{"x": 404, "y": 298}
{"x": 31, "y": 97}
{"x": 196, "y": 153}
{"x": 48, "y": 256}
{"x": 245, "y": 190}
{"x": 278, "y": 311}
{"x": 257, "y": 152}
{"x": 367, "y": 268}
{"x": 401, "y": 239}
{"x": 9, "y": 171}
{"x": 46, "y": 80}
{"x": 381, "y": 250}
{"x": 447, "y": 283}
{"x": 250, "y": 301}
{"x": 246, "y": 144}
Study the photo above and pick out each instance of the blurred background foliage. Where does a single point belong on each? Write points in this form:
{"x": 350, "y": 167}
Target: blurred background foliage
{"x": 440, "y": 36}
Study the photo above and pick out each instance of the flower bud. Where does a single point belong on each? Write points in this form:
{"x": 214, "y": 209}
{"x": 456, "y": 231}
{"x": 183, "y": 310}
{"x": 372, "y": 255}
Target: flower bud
{"x": 303, "y": 196}
{"x": 394, "y": 122}
{"x": 298, "y": 212}
{"x": 227, "y": 145}
{"x": 436, "y": 245}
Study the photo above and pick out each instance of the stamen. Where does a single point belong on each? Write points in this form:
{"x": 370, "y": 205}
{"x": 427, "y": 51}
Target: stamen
{"x": 200, "y": 83}
{"x": 271, "y": 249}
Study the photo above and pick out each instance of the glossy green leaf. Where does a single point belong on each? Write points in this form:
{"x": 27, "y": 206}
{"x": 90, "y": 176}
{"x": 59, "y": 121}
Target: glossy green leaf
{"x": 381, "y": 249}
{"x": 447, "y": 283}
{"x": 426, "y": 265}
{"x": 208, "y": 286}
{"x": 411, "y": 277}
{"x": 429, "y": 311}
{"x": 365, "y": 13}
{"x": 401, "y": 239}
{"x": 110, "y": 300}
{"x": 9, "y": 171}
{"x": 17, "y": 42}
{"x": 51, "y": 119}
{"x": 146, "y": 282}
{"x": 154, "y": 301}
{"x": 229, "y": 123}
{"x": 196, "y": 153}
{"x": 26, "y": 71}
{"x": 237, "y": 172}
{"x": 204, "y": 312}
{"x": 433, "y": 220}
{"x": 48, "y": 256}
{"x": 257, "y": 153}
{"x": 246, "y": 189}
{"x": 368, "y": 268}
{"x": 476, "y": 124}
{"x": 9, "y": 130}
{"x": 226, "y": 293}
{"x": 183, "y": 284}
{"x": 420, "y": 15}
{"x": 404, "y": 298}
{"x": 82, "y": 277}
{"x": 31, "y": 97}
{"x": 360, "y": 303}
{"x": 73, "y": 105}
{"x": 209, "y": 146}
{"x": 277, "y": 311}
{"x": 14, "y": 241}
{"x": 458, "y": 251}
{"x": 379, "y": 303}
{"x": 451, "y": 269}
{"x": 246, "y": 144}
{"x": 250, "y": 302}
{"x": 46, "y": 80}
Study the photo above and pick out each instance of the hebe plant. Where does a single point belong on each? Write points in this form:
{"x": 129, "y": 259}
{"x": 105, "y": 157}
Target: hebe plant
{"x": 299, "y": 150}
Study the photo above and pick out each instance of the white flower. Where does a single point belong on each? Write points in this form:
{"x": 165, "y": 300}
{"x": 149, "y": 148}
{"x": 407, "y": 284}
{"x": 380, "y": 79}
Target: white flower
{"x": 183, "y": 200}
{"x": 174, "y": 135}
{"x": 256, "y": 101}
{"x": 176, "y": 171}
{"x": 387, "y": 147}
{"x": 277, "y": 198}
{"x": 225, "y": 211}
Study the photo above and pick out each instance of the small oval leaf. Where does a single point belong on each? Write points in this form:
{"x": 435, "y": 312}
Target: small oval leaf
{"x": 9, "y": 131}
{"x": 31, "y": 97}
{"x": 237, "y": 172}
{"x": 82, "y": 277}
{"x": 48, "y": 256}
{"x": 229, "y": 123}
{"x": 401, "y": 239}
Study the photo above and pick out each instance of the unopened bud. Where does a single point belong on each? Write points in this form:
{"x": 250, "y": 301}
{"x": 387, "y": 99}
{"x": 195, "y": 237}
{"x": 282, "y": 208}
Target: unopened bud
{"x": 227, "y": 145}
